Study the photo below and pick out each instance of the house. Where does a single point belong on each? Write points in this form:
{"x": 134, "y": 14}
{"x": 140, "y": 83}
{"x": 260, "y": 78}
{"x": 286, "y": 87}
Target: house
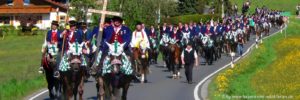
{"x": 32, "y": 12}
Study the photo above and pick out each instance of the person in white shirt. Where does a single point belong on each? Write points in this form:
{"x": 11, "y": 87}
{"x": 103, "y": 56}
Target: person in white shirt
{"x": 139, "y": 38}
{"x": 189, "y": 58}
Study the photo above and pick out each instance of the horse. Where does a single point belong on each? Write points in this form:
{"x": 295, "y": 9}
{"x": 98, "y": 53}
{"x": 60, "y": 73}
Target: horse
{"x": 49, "y": 64}
{"x": 89, "y": 56}
{"x": 153, "y": 52}
{"x": 141, "y": 61}
{"x": 73, "y": 77}
{"x": 266, "y": 28}
{"x": 218, "y": 44}
{"x": 258, "y": 34}
{"x": 164, "y": 43}
{"x": 246, "y": 33}
{"x": 198, "y": 45}
{"x": 185, "y": 39}
{"x": 174, "y": 58}
{"x": 116, "y": 72}
{"x": 208, "y": 49}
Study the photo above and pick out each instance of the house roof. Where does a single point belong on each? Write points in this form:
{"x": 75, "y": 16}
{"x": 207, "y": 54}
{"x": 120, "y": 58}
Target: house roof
{"x": 35, "y": 6}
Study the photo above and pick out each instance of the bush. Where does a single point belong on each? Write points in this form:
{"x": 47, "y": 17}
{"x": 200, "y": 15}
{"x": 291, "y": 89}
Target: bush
{"x": 189, "y": 18}
{"x": 5, "y": 29}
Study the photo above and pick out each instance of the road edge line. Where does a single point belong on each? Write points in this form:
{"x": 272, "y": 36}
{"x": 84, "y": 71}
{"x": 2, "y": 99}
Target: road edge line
{"x": 196, "y": 89}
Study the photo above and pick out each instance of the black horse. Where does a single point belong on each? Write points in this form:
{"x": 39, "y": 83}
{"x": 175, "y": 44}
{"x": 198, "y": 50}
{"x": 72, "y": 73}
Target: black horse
{"x": 49, "y": 64}
{"x": 208, "y": 50}
{"x": 153, "y": 52}
{"x": 218, "y": 46}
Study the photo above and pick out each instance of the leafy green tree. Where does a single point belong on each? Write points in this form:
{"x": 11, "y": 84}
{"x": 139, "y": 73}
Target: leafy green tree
{"x": 78, "y": 8}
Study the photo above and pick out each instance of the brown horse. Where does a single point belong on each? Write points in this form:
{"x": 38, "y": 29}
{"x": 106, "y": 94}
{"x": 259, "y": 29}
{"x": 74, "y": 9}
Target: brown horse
{"x": 174, "y": 58}
{"x": 73, "y": 78}
{"x": 141, "y": 62}
{"x": 112, "y": 78}
{"x": 116, "y": 80}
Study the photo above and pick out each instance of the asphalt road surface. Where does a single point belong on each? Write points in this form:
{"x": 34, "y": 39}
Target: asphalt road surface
{"x": 160, "y": 85}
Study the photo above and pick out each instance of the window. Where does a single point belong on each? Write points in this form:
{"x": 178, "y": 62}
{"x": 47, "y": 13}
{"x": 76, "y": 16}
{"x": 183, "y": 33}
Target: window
{"x": 5, "y": 20}
{"x": 26, "y": 2}
{"x": 62, "y": 18}
{"x": 9, "y": 2}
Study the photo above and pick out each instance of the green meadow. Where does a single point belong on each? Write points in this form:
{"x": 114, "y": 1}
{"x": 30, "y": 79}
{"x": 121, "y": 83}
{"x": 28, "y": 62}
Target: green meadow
{"x": 19, "y": 62}
{"x": 285, "y": 5}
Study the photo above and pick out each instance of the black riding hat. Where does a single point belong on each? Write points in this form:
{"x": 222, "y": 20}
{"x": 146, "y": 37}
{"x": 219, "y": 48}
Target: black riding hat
{"x": 55, "y": 23}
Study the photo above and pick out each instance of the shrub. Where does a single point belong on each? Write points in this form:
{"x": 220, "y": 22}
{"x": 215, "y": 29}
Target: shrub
{"x": 5, "y": 29}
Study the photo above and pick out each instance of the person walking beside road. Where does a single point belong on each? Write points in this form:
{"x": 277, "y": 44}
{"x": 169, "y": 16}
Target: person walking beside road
{"x": 189, "y": 58}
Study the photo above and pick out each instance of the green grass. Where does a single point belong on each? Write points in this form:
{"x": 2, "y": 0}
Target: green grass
{"x": 19, "y": 61}
{"x": 285, "y": 5}
{"x": 245, "y": 77}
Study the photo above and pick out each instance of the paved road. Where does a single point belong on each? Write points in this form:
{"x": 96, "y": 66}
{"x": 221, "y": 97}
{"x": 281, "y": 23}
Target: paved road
{"x": 161, "y": 86}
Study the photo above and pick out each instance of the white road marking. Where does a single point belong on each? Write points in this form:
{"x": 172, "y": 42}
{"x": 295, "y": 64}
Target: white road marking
{"x": 196, "y": 89}
{"x": 37, "y": 95}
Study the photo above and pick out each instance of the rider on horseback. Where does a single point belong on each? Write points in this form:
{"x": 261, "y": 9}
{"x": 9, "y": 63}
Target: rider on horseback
{"x": 140, "y": 43}
{"x": 113, "y": 33}
{"x": 52, "y": 37}
{"x": 153, "y": 36}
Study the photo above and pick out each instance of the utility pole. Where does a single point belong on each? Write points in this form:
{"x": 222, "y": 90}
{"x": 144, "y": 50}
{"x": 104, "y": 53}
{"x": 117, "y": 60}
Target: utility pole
{"x": 223, "y": 15}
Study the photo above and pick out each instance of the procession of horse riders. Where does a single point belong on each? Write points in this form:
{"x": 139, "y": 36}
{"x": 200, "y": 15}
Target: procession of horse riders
{"x": 71, "y": 56}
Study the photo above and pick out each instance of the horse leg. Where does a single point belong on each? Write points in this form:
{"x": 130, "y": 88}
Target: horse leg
{"x": 156, "y": 56}
{"x": 100, "y": 88}
{"x": 50, "y": 79}
{"x": 67, "y": 89}
{"x": 81, "y": 86}
{"x": 125, "y": 90}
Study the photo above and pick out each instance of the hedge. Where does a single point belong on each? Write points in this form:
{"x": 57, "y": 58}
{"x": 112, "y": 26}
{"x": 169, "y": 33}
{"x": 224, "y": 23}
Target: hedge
{"x": 188, "y": 18}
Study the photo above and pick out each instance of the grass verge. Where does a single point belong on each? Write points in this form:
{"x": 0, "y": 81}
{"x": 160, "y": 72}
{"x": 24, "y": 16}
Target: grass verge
{"x": 263, "y": 74}
{"x": 19, "y": 60}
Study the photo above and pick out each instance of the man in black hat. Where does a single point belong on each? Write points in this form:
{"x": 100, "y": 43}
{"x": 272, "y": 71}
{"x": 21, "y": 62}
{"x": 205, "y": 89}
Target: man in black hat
{"x": 71, "y": 35}
{"x": 116, "y": 32}
{"x": 189, "y": 58}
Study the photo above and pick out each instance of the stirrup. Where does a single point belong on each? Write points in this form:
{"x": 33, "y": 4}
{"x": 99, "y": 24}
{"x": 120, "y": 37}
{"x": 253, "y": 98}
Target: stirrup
{"x": 41, "y": 70}
{"x": 56, "y": 74}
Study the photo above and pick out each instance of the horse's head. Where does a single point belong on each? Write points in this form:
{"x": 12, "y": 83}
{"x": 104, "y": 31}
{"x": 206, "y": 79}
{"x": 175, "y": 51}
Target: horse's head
{"x": 186, "y": 35}
{"x": 116, "y": 63}
{"x": 89, "y": 46}
{"x": 75, "y": 52}
{"x": 173, "y": 41}
{"x": 75, "y": 48}
{"x": 140, "y": 52}
{"x": 52, "y": 53}
{"x": 52, "y": 49}
{"x": 173, "y": 45}
{"x": 153, "y": 42}
{"x": 165, "y": 38}
{"x": 116, "y": 48}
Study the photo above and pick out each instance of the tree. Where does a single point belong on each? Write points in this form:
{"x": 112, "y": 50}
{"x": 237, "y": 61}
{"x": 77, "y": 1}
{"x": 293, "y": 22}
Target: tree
{"x": 145, "y": 11}
{"x": 78, "y": 9}
{"x": 191, "y": 6}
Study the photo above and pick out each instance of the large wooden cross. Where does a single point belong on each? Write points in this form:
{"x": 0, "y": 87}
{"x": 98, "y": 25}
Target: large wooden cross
{"x": 103, "y": 12}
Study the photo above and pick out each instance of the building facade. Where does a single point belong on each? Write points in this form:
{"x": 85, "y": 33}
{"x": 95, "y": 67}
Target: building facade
{"x": 32, "y": 12}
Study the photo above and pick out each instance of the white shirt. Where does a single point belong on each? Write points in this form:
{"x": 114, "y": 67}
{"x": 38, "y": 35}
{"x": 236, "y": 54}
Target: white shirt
{"x": 140, "y": 39}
